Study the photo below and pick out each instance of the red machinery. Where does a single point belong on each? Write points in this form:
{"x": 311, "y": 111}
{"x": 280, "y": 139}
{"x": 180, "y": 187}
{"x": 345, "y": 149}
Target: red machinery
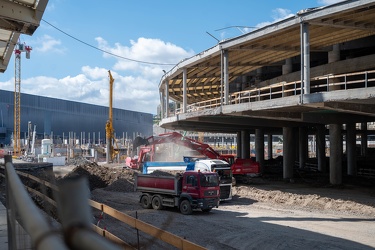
{"x": 240, "y": 167}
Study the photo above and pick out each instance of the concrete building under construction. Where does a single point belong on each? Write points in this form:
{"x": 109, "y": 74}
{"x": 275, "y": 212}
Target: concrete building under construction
{"x": 57, "y": 118}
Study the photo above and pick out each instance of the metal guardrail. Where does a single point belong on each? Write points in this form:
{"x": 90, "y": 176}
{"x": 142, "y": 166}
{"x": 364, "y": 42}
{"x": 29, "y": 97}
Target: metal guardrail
{"x": 77, "y": 231}
{"x": 324, "y": 83}
{"x": 74, "y": 214}
{"x": 19, "y": 208}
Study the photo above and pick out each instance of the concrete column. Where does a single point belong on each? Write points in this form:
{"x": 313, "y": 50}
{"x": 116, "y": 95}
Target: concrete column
{"x": 244, "y": 83}
{"x": 245, "y": 144}
{"x": 259, "y": 148}
{"x": 226, "y": 76}
{"x": 288, "y": 153}
{"x": 335, "y": 159}
{"x": 286, "y": 69}
{"x": 184, "y": 90}
{"x": 364, "y": 139}
{"x": 303, "y": 146}
{"x": 239, "y": 145}
{"x": 287, "y": 66}
{"x": 166, "y": 98}
{"x": 321, "y": 148}
{"x": 334, "y": 56}
{"x": 269, "y": 147}
{"x": 305, "y": 34}
{"x": 162, "y": 104}
{"x": 351, "y": 149}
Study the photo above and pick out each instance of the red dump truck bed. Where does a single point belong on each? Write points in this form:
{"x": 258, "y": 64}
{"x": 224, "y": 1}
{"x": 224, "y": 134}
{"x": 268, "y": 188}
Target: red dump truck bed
{"x": 158, "y": 184}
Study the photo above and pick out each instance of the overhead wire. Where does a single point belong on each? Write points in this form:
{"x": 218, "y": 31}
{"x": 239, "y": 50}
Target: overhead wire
{"x": 104, "y": 51}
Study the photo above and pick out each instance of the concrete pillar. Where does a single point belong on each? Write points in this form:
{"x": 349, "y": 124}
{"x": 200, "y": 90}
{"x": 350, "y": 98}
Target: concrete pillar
{"x": 288, "y": 153}
{"x": 269, "y": 147}
{"x": 303, "y": 146}
{"x": 245, "y": 144}
{"x": 258, "y": 76}
{"x": 239, "y": 145}
{"x": 351, "y": 149}
{"x": 287, "y": 66}
{"x": 184, "y": 90}
{"x": 286, "y": 69}
{"x": 244, "y": 83}
{"x": 335, "y": 159}
{"x": 334, "y": 56}
{"x": 166, "y": 98}
{"x": 305, "y": 57}
{"x": 162, "y": 104}
{"x": 364, "y": 139}
{"x": 321, "y": 148}
{"x": 259, "y": 148}
{"x": 226, "y": 76}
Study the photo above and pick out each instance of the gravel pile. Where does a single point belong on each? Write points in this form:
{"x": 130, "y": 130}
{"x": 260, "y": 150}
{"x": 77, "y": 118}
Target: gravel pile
{"x": 78, "y": 160}
{"x": 121, "y": 185}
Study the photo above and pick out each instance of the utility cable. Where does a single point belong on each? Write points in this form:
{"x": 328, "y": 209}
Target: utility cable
{"x": 104, "y": 51}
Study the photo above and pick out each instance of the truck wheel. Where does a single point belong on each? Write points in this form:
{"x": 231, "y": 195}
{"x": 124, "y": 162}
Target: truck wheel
{"x": 206, "y": 210}
{"x": 185, "y": 207}
{"x": 145, "y": 202}
{"x": 157, "y": 203}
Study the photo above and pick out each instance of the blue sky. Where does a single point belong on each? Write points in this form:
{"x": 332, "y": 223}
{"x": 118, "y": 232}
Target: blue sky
{"x": 161, "y": 32}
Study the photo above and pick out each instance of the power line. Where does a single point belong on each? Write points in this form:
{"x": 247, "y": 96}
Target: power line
{"x": 104, "y": 51}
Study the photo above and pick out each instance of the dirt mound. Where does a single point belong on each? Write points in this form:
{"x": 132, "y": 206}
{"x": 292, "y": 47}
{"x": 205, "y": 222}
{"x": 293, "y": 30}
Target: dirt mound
{"x": 121, "y": 185}
{"x": 310, "y": 201}
{"x": 100, "y": 176}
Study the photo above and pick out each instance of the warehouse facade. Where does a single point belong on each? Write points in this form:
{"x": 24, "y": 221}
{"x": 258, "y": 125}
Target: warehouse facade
{"x": 59, "y": 118}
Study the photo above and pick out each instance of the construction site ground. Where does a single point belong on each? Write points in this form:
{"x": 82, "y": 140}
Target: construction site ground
{"x": 268, "y": 213}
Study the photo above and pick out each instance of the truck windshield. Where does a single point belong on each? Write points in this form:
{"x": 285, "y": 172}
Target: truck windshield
{"x": 209, "y": 180}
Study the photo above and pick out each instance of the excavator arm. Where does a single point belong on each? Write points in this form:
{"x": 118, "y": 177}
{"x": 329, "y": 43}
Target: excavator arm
{"x": 173, "y": 137}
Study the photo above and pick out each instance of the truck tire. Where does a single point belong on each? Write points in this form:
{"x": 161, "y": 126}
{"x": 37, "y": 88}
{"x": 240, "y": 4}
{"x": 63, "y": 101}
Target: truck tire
{"x": 185, "y": 207}
{"x": 145, "y": 202}
{"x": 157, "y": 203}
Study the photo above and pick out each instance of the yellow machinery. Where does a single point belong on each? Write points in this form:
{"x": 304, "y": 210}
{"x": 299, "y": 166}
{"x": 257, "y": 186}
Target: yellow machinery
{"x": 109, "y": 131}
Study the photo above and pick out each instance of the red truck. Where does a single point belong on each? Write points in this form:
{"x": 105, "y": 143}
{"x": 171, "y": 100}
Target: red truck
{"x": 188, "y": 191}
{"x": 245, "y": 169}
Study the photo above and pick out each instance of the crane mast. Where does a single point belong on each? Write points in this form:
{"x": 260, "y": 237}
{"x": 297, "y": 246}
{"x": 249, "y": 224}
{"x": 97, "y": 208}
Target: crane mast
{"x": 17, "y": 96}
{"x": 109, "y": 125}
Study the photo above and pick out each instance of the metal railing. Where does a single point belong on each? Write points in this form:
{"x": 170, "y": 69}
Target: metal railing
{"x": 325, "y": 83}
{"x": 76, "y": 230}
{"x": 74, "y": 213}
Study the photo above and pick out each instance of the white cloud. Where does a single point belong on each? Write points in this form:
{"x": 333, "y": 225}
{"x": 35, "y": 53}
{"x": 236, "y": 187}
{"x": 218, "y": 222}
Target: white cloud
{"x": 144, "y": 50}
{"x": 48, "y": 44}
{"x": 135, "y": 85}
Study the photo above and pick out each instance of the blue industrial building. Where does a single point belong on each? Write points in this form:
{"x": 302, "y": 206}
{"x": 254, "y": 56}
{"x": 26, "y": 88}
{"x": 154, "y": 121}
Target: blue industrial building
{"x": 60, "y": 117}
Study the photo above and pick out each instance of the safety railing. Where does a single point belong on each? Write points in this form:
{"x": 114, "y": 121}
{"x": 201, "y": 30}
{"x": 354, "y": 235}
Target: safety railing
{"x": 324, "y": 83}
{"x": 76, "y": 230}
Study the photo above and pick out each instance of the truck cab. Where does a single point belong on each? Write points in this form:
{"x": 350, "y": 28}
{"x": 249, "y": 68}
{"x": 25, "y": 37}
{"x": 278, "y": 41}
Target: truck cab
{"x": 222, "y": 168}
